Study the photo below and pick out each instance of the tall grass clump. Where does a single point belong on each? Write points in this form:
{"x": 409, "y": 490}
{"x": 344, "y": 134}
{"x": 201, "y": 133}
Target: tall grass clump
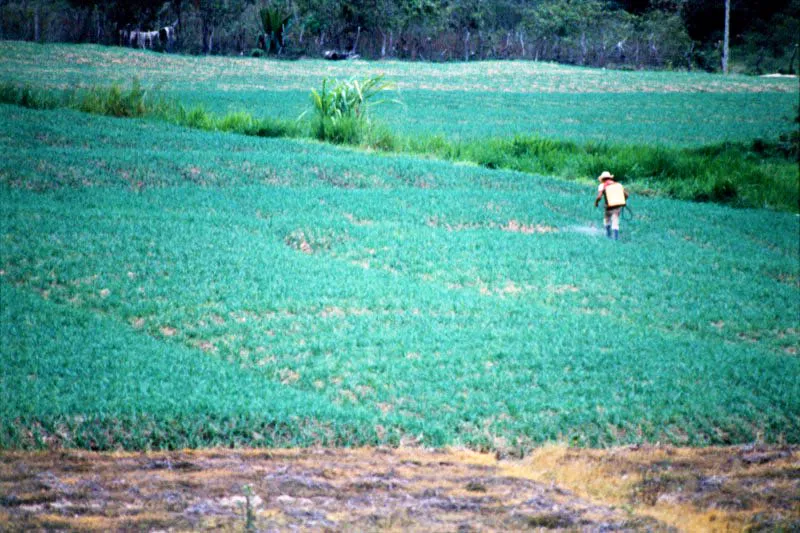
{"x": 270, "y": 127}
{"x": 760, "y": 174}
{"x": 728, "y": 173}
{"x": 237, "y": 122}
{"x": 246, "y": 124}
{"x": 197, "y": 117}
{"x": 29, "y": 97}
{"x": 241, "y": 122}
{"x": 340, "y": 111}
{"x": 115, "y": 101}
{"x": 139, "y": 101}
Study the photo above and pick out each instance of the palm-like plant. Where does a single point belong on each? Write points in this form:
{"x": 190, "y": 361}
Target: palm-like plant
{"x": 348, "y": 98}
{"x": 273, "y": 22}
{"x": 341, "y": 107}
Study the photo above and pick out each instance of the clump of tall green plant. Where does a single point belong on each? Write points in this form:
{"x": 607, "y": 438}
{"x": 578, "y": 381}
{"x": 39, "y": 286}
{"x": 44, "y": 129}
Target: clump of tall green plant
{"x": 137, "y": 101}
{"x": 241, "y": 122}
{"x": 114, "y": 100}
{"x": 760, "y": 174}
{"x": 27, "y": 96}
{"x": 341, "y": 109}
{"x": 273, "y": 23}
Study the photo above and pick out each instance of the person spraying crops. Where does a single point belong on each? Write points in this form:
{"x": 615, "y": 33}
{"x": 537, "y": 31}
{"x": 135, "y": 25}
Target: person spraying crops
{"x": 616, "y": 198}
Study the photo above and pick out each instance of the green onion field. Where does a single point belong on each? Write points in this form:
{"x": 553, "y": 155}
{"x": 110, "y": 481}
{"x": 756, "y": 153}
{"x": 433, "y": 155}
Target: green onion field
{"x": 166, "y": 287}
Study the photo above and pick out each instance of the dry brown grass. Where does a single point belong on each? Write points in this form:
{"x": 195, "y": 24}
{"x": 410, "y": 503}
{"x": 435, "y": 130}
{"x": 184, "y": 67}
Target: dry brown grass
{"x": 649, "y": 488}
{"x": 692, "y": 489}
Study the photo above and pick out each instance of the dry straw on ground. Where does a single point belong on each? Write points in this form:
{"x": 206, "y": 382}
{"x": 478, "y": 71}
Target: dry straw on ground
{"x": 647, "y": 489}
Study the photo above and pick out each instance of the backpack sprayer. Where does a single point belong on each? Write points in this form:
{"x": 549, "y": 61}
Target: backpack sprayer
{"x": 615, "y": 197}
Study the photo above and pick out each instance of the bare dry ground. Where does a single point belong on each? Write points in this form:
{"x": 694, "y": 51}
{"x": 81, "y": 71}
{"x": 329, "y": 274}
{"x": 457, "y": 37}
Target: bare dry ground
{"x": 378, "y": 489}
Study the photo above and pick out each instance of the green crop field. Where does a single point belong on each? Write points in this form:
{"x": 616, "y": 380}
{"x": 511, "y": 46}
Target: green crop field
{"x": 164, "y": 287}
{"x": 466, "y": 101}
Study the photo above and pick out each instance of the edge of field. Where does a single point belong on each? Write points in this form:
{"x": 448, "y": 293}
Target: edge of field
{"x": 652, "y": 488}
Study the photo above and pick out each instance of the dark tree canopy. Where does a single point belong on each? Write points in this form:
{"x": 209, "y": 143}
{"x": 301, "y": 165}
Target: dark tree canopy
{"x": 615, "y": 33}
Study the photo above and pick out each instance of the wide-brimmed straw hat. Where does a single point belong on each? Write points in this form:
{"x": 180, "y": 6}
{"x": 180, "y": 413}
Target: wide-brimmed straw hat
{"x": 606, "y": 175}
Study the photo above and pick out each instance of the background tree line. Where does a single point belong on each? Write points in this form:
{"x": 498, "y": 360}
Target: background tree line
{"x": 684, "y": 34}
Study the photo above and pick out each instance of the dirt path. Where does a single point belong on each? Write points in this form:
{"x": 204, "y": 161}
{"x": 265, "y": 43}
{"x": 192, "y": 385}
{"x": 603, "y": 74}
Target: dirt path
{"x": 653, "y": 488}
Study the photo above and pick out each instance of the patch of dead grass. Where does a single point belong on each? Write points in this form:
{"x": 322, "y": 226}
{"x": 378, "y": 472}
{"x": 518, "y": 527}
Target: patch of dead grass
{"x": 358, "y": 221}
{"x": 687, "y": 488}
{"x": 408, "y": 487}
{"x": 515, "y": 226}
{"x": 512, "y": 226}
{"x": 562, "y": 289}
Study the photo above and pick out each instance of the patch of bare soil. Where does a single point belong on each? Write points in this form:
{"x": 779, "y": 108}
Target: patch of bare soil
{"x": 630, "y": 489}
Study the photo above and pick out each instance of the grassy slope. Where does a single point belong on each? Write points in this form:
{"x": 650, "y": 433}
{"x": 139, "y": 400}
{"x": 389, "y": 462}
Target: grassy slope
{"x": 690, "y": 136}
{"x": 389, "y": 296}
{"x": 475, "y": 100}
{"x": 79, "y": 379}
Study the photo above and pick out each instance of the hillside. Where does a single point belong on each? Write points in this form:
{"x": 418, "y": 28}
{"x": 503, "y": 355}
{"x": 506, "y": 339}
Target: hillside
{"x": 202, "y": 329}
{"x": 363, "y": 293}
{"x": 475, "y": 100}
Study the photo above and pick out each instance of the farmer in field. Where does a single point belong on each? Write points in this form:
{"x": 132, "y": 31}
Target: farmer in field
{"x": 616, "y": 197}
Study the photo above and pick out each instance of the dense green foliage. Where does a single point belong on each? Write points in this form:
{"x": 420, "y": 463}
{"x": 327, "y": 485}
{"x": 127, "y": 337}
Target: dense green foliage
{"x": 273, "y": 22}
{"x": 165, "y": 287}
{"x": 341, "y": 109}
{"x": 113, "y": 101}
{"x": 759, "y": 174}
{"x": 136, "y": 102}
{"x": 671, "y": 34}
